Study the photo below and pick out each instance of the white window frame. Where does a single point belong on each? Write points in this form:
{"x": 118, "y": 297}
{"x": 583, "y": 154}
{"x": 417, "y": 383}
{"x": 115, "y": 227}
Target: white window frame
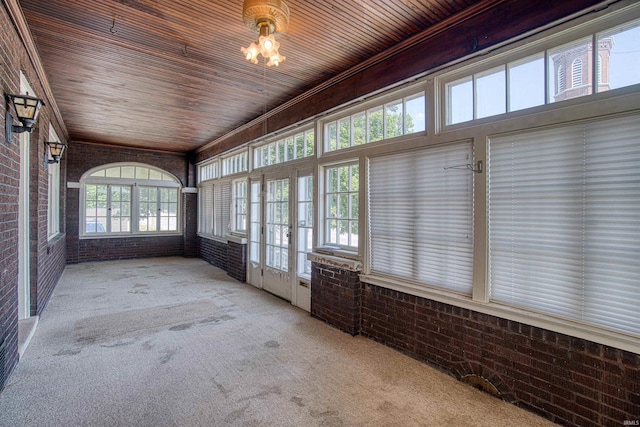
{"x": 584, "y": 31}
{"x": 167, "y": 180}
{"x": 288, "y": 145}
{"x": 235, "y": 163}
{"x": 53, "y": 199}
{"x": 239, "y": 206}
{"x": 327, "y": 241}
{"x": 380, "y": 103}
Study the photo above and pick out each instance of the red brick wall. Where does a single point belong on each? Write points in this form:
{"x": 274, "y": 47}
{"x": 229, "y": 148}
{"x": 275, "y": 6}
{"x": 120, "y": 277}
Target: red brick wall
{"x": 214, "y": 252}
{"x": 237, "y": 261}
{"x": 47, "y": 259}
{"x": 190, "y": 238}
{"x": 336, "y": 297}
{"x": 11, "y": 58}
{"x": 83, "y": 157}
{"x": 568, "y": 380}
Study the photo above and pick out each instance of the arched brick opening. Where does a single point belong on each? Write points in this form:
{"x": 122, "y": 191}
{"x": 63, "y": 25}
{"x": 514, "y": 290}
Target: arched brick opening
{"x": 484, "y": 379}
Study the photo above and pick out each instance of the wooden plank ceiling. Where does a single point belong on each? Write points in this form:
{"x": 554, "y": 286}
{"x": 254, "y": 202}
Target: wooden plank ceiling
{"x": 169, "y": 74}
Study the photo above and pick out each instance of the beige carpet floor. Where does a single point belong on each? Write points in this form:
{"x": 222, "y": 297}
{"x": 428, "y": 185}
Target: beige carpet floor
{"x": 176, "y": 342}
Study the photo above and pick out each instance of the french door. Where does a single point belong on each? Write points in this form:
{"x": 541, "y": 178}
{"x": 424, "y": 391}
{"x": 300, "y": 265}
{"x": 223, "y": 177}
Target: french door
{"x": 280, "y": 234}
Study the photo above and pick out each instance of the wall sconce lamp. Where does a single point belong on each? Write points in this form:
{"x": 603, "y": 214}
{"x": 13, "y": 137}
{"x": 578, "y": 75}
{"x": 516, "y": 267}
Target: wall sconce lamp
{"x": 26, "y": 109}
{"x": 53, "y": 151}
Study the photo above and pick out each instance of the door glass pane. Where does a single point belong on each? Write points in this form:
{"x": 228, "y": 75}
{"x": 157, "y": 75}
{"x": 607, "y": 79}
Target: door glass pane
{"x": 305, "y": 224}
{"x": 277, "y": 224}
{"x": 254, "y": 252}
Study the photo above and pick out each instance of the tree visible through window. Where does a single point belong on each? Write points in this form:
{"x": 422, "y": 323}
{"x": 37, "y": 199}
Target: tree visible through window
{"x": 342, "y": 205}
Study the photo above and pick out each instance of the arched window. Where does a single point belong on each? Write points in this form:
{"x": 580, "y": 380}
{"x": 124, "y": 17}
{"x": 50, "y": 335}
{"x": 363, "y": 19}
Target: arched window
{"x": 129, "y": 198}
{"x": 576, "y": 73}
{"x": 561, "y": 80}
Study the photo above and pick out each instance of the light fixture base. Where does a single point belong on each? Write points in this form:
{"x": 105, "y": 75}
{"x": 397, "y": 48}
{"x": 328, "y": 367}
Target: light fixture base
{"x": 256, "y": 12}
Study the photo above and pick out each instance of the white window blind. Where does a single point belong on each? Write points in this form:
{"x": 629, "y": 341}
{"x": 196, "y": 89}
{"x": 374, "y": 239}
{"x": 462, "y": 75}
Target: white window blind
{"x": 205, "y": 211}
{"x": 221, "y": 208}
{"x": 564, "y": 222}
{"x": 421, "y": 216}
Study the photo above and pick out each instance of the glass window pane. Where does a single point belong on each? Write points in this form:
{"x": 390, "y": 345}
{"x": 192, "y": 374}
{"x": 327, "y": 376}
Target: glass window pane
{"x": 359, "y": 128}
{"x": 331, "y": 136}
{"x": 375, "y": 124}
{"x": 460, "y": 101}
{"x": 491, "y": 88}
{"x": 142, "y": 173}
{"x": 619, "y": 57}
{"x": 309, "y": 143}
{"x": 113, "y": 172}
{"x": 526, "y": 82}
{"x": 354, "y": 178}
{"x": 290, "y": 149}
{"x": 344, "y": 135}
{"x": 564, "y": 62}
{"x": 128, "y": 172}
{"x": 415, "y": 117}
{"x": 393, "y": 119}
{"x": 299, "y": 146}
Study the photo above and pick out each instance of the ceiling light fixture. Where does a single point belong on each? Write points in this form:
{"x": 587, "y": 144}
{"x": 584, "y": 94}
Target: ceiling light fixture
{"x": 265, "y": 17}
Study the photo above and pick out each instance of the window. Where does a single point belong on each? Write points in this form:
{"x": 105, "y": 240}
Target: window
{"x": 576, "y": 73}
{"x": 342, "y": 205}
{"x": 235, "y": 164}
{"x": 618, "y": 48}
{"x": 240, "y": 206}
{"x": 568, "y": 57}
{"x": 53, "y": 200}
{"x": 421, "y": 216}
{"x": 297, "y": 146}
{"x": 564, "y": 234}
{"x": 158, "y": 209}
{"x": 214, "y": 209}
{"x": 221, "y": 209}
{"x": 396, "y": 118}
{"x": 305, "y": 224}
{"x": 107, "y": 208}
{"x": 526, "y": 82}
{"x": 488, "y": 91}
{"x": 205, "y": 210}
{"x": 207, "y": 171}
{"x": 125, "y": 199}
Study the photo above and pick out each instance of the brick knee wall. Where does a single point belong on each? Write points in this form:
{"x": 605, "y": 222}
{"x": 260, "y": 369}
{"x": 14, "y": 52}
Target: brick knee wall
{"x": 336, "y": 297}
{"x": 214, "y": 252}
{"x": 237, "y": 261}
{"x": 568, "y": 380}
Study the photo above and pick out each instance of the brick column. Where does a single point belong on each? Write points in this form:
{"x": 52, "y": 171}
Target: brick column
{"x": 336, "y": 292}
